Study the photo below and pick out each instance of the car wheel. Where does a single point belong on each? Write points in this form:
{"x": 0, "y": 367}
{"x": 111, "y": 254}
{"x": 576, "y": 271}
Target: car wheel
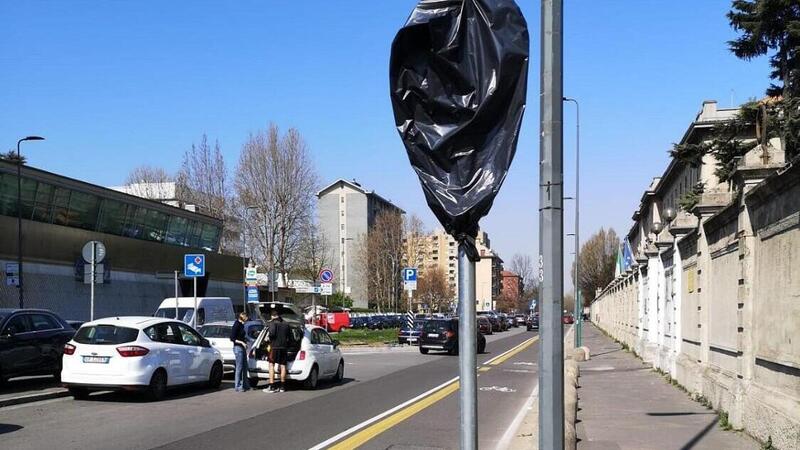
{"x": 215, "y": 377}
{"x": 79, "y": 393}
{"x": 339, "y": 373}
{"x": 253, "y": 381}
{"x": 313, "y": 378}
{"x": 424, "y": 351}
{"x": 158, "y": 385}
{"x": 453, "y": 351}
{"x": 482, "y": 348}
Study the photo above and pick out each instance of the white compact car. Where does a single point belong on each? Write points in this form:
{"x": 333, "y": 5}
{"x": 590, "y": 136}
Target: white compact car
{"x": 313, "y": 356}
{"x": 139, "y": 354}
{"x": 219, "y": 334}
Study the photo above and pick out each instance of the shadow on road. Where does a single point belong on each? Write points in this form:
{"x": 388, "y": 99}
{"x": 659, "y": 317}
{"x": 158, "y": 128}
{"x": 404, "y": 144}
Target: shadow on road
{"x": 9, "y": 428}
{"x": 689, "y": 445}
{"x": 28, "y": 385}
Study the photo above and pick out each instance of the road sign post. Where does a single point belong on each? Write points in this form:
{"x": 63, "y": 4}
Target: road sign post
{"x": 93, "y": 252}
{"x": 194, "y": 267}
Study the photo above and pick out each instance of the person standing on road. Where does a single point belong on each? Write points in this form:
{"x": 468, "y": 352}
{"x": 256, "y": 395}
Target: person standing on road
{"x": 240, "y": 351}
{"x": 278, "y": 334}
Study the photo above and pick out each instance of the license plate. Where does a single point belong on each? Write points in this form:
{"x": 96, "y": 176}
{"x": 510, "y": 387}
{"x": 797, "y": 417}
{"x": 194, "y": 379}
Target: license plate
{"x": 433, "y": 335}
{"x": 96, "y": 359}
{"x": 412, "y": 339}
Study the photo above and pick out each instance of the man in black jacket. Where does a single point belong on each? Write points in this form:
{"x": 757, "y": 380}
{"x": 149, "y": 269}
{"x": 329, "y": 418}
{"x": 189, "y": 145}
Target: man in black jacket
{"x": 240, "y": 351}
{"x": 279, "y": 335}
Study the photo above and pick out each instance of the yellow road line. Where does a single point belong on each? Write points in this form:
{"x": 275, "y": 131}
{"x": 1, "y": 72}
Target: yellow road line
{"x": 370, "y": 432}
{"x": 505, "y": 357}
{"x": 365, "y": 435}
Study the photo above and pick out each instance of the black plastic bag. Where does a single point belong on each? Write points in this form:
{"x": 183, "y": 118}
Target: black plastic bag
{"x": 458, "y": 76}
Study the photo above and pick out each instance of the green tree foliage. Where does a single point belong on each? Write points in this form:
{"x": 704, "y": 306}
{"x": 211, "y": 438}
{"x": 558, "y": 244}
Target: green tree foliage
{"x": 11, "y": 156}
{"x": 341, "y": 300}
{"x": 770, "y": 26}
{"x": 765, "y": 27}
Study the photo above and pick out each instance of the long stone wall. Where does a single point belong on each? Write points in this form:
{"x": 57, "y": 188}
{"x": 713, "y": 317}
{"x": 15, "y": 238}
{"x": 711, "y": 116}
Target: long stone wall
{"x": 719, "y": 308}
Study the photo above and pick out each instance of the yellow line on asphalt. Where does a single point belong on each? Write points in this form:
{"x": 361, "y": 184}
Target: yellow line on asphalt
{"x": 505, "y": 357}
{"x": 370, "y": 432}
{"x": 360, "y": 438}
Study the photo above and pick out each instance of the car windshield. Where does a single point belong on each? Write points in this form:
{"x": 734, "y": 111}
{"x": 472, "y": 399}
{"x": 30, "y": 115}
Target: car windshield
{"x": 105, "y": 335}
{"x": 433, "y": 326}
{"x": 184, "y": 314}
{"x": 216, "y": 331}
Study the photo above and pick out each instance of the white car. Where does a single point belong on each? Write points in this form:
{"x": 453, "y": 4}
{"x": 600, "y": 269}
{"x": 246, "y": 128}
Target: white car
{"x": 219, "y": 334}
{"x": 314, "y": 355}
{"x": 138, "y": 354}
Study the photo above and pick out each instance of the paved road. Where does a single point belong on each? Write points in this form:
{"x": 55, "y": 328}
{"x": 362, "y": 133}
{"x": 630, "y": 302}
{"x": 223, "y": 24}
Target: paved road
{"x": 374, "y": 383}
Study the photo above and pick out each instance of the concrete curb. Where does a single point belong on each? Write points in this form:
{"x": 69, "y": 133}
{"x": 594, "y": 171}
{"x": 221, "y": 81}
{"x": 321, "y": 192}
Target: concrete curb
{"x": 30, "y": 398}
{"x": 379, "y": 349}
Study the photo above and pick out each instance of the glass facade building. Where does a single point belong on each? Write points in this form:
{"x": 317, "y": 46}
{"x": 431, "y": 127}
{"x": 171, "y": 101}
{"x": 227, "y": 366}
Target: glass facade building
{"x": 79, "y": 205}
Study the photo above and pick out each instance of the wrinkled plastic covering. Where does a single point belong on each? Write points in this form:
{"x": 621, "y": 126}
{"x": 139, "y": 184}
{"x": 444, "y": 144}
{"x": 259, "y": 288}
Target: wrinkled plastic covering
{"x": 458, "y": 76}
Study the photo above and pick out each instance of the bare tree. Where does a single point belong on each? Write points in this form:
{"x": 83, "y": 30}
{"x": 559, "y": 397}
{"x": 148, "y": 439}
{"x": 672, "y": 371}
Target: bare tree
{"x": 276, "y": 175}
{"x": 522, "y": 265}
{"x": 149, "y": 182}
{"x": 598, "y": 256}
{"x": 414, "y": 241}
{"x": 203, "y": 182}
{"x": 434, "y": 289}
{"x": 315, "y": 253}
{"x": 381, "y": 253}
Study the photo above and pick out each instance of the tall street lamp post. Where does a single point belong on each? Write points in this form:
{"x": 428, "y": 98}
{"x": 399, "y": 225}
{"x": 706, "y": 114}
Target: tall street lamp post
{"x": 19, "y": 215}
{"x": 578, "y": 302}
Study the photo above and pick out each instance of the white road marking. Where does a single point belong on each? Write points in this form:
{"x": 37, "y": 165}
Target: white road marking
{"x": 513, "y": 428}
{"x": 519, "y": 371}
{"x": 380, "y": 416}
{"x": 524, "y": 363}
{"x": 498, "y": 389}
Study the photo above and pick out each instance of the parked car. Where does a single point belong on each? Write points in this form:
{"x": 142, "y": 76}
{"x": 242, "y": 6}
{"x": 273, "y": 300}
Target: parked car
{"x": 567, "y": 319}
{"x": 494, "y": 319}
{"x": 75, "y": 324}
{"x": 148, "y": 354}
{"x": 484, "y": 326}
{"x": 510, "y": 320}
{"x": 442, "y": 334}
{"x": 209, "y": 309}
{"x": 357, "y": 322}
{"x": 532, "y": 322}
{"x": 31, "y": 342}
{"x": 504, "y": 326}
{"x": 410, "y": 334}
{"x": 313, "y": 355}
{"x": 219, "y": 335}
{"x": 520, "y": 318}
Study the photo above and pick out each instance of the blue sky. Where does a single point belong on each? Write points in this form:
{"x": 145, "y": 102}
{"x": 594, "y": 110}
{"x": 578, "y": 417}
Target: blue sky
{"x": 116, "y": 84}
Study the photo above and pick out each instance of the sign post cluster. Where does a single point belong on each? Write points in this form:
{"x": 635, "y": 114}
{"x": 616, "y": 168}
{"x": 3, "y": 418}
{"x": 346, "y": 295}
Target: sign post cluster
{"x": 93, "y": 252}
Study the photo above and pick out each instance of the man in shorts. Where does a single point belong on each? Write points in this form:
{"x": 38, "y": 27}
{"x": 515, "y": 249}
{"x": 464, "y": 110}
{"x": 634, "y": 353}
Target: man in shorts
{"x": 279, "y": 335}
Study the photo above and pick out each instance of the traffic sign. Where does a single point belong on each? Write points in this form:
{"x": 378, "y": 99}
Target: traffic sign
{"x": 326, "y": 276}
{"x": 250, "y": 274}
{"x": 410, "y": 278}
{"x": 326, "y": 288}
{"x": 410, "y": 274}
{"x": 194, "y": 265}
{"x": 12, "y": 274}
{"x": 252, "y": 294}
{"x": 99, "y": 249}
{"x": 308, "y": 290}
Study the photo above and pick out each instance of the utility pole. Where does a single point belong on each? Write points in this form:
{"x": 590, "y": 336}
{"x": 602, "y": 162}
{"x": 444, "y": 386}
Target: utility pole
{"x": 578, "y": 302}
{"x": 551, "y": 228}
{"x": 467, "y": 352}
{"x": 19, "y": 217}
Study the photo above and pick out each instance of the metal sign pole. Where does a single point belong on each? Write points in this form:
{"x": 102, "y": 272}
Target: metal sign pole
{"x": 194, "y": 314}
{"x": 551, "y": 228}
{"x": 467, "y": 351}
{"x": 91, "y": 301}
{"x": 176, "y": 296}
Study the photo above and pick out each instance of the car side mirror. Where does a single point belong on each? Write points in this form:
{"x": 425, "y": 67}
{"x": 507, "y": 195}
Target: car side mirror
{"x": 205, "y": 343}
{"x": 335, "y": 343}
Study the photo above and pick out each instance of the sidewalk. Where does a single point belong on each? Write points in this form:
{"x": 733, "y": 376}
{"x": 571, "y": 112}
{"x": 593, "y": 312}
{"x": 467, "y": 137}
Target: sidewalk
{"x": 30, "y": 389}
{"x": 623, "y": 404}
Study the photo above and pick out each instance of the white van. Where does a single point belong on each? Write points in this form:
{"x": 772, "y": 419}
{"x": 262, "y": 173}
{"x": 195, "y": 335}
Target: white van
{"x": 209, "y": 309}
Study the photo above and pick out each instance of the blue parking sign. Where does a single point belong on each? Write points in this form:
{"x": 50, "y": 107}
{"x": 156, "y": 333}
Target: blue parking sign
{"x": 194, "y": 266}
{"x": 410, "y": 274}
{"x": 252, "y": 294}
